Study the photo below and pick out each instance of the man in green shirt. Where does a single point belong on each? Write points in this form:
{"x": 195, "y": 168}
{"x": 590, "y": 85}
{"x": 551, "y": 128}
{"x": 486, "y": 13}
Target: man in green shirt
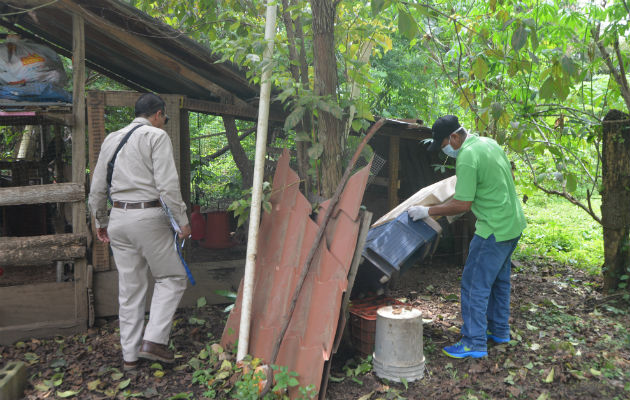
{"x": 485, "y": 185}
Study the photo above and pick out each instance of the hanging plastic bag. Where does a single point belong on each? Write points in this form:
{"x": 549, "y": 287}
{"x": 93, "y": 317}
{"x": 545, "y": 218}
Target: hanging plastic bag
{"x": 23, "y": 61}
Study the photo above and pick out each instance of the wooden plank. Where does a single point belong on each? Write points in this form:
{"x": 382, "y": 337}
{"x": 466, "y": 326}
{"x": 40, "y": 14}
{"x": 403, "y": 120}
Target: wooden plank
{"x": 38, "y": 250}
{"x": 210, "y": 277}
{"x": 413, "y": 134}
{"x": 121, "y": 98}
{"x": 40, "y": 330}
{"x": 79, "y": 214}
{"x": 145, "y": 49}
{"x": 392, "y": 168}
{"x": 42, "y": 194}
{"x": 27, "y": 304}
{"x": 214, "y": 108}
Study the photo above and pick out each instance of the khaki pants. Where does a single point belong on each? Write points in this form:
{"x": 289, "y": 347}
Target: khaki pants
{"x": 142, "y": 241}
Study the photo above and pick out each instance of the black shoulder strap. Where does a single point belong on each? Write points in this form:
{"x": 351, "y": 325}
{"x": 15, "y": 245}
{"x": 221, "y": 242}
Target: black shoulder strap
{"x": 110, "y": 164}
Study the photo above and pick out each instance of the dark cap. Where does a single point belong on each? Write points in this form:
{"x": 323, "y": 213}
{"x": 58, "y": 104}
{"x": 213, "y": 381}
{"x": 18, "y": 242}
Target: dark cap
{"x": 148, "y": 104}
{"x": 442, "y": 128}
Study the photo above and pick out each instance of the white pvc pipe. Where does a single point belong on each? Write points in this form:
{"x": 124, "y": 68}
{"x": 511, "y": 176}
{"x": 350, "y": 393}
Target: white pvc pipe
{"x": 259, "y": 166}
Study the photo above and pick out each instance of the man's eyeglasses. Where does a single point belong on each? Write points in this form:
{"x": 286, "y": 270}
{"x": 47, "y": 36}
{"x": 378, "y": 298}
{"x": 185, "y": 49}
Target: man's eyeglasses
{"x": 166, "y": 118}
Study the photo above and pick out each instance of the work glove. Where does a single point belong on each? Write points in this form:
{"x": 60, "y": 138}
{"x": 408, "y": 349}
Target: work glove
{"x": 418, "y": 212}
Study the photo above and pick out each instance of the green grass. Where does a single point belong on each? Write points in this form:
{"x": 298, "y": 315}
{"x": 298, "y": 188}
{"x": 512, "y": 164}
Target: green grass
{"x": 561, "y": 232}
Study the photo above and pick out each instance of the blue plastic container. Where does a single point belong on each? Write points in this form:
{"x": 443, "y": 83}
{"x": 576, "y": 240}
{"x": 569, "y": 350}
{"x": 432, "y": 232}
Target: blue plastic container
{"x": 399, "y": 243}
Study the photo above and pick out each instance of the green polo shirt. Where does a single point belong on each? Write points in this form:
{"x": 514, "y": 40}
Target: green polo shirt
{"x": 484, "y": 176}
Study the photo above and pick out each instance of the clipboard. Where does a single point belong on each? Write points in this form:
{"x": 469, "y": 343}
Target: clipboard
{"x": 178, "y": 247}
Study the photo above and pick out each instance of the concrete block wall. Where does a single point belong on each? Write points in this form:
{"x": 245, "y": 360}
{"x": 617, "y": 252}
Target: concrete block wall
{"x": 12, "y": 380}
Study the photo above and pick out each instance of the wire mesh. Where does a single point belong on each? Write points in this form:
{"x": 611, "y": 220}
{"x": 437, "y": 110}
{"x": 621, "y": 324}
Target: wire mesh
{"x": 378, "y": 163}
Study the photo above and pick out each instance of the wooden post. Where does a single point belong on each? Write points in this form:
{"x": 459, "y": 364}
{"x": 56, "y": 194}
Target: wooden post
{"x": 79, "y": 224}
{"x": 96, "y": 136}
{"x": 394, "y": 162}
{"x": 184, "y": 158}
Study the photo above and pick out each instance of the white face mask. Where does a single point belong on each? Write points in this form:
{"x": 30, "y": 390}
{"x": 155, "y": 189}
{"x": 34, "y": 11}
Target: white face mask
{"x": 448, "y": 149}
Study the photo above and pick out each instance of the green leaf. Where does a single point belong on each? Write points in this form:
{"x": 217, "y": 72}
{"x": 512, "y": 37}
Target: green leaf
{"x": 302, "y": 137}
{"x": 116, "y": 376}
{"x": 294, "y": 118}
{"x": 124, "y": 384}
{"x": 222, "y": 375}
{"x": 547, "y": 89}
{"x": 93, "y": 385}
{"x": 519, "y": 37}
{"x": 60, "y": 362}
{"x": 201, "y": 302}
{"x": 158, "y": 374}
{"x": 377, "y": 7}
{"x": 266, "y": 205}
{"x": 41, "y": 387}
{"x": 315, "y": 151}
{"x": 156, "y": 366}
{"x": 407, "y": 26}
{"x": 497, "y": 110}
{"x": 335, "y": 379}
{"x": 226, "y": 293}
{"x": 571, "y": 183}
{"x": 549, "y": 377}
{"x": 331, "y": 108}
{"x": 568, "y": 66}
{"x": 480, "y": 68}
{"x": 67, "y": 393}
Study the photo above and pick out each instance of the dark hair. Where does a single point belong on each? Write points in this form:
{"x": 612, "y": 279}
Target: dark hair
{"x": 148, "y": 104}
{"x": 442, "y": 128}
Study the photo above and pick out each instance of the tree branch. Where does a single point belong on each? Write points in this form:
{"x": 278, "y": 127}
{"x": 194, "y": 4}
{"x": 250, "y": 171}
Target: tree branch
{"x": 219, "y": 153}
{"x": 621, "y": 81}
{"x": 563, "y": 194}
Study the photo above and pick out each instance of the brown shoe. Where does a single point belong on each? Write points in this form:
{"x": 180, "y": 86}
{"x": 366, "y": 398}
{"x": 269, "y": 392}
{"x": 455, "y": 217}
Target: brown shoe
{"x": 157, "y": 352}
{"x": 129, "y": 365}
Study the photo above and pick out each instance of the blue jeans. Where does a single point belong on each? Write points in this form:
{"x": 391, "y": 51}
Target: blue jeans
{"x": 485, "y": 292}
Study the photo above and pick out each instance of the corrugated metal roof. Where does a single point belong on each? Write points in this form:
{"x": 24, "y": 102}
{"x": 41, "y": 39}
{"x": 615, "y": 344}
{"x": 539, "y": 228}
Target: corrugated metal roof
{"x": 133, "y": 48}
{"x": 285, "y": 238}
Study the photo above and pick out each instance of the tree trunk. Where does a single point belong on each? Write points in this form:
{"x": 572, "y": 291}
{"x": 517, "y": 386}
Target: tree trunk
{"x": 616, "y": 197}
{"x": 325, "y": 67}
{"x": 299, "y": 72}
{"x": 244, "y": 165}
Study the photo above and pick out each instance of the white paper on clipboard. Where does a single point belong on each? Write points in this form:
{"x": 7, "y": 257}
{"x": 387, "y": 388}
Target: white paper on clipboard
{"x": 168, "y": 212}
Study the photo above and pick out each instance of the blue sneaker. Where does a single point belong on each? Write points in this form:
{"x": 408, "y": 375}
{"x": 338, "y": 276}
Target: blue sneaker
{"x": 497, "y": 339}
{"x": 458, "y": 350}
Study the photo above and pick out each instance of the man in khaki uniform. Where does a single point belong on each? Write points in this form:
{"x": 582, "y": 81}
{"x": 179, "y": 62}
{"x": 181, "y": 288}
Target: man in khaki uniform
{"x": 139, "y": 231}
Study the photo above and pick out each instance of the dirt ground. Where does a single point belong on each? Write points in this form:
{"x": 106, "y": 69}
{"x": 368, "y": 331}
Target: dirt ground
{"x": 569, "y": 342}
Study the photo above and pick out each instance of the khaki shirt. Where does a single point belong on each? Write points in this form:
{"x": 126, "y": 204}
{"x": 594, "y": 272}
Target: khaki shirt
{"x": 144, "y": 171}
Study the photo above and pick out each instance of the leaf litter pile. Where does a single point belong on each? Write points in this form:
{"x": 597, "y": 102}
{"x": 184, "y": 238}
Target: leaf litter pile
{"x": 569, "y": 341}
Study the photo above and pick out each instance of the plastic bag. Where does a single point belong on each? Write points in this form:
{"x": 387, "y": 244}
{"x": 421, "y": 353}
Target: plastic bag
{"x": 23, "y": 61}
